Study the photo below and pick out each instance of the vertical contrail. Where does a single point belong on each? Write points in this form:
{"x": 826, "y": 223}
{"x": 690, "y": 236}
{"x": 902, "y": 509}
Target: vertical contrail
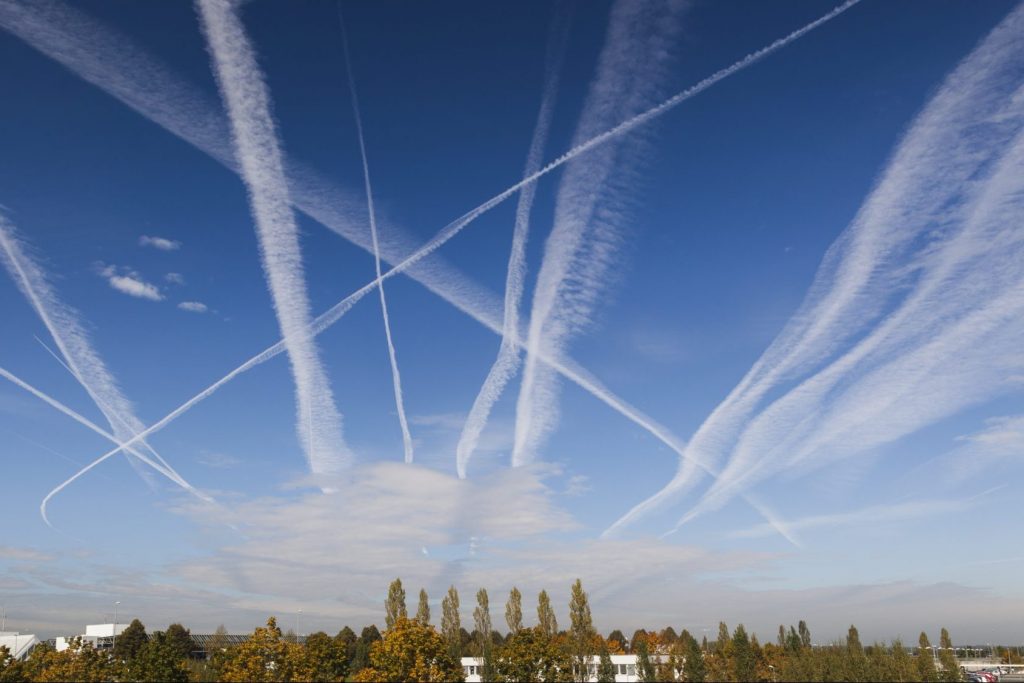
{"x": 396, "y": 378}
{"x": 924, "y": 191}
{"x": 248, "y": 104}
{"x": 591, "y": 209}
{"x": 507, "y": 363}
{"x": 79, "y": 356}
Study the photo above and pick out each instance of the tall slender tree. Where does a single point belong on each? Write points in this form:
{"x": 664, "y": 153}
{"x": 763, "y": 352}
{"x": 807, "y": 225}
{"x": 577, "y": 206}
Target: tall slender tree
{"x": 581, "y": 630}
{"x": 423, "y": 610}
{"x": 744, "y": 664}
{"x": 394, "y": 606}
{"x": 451, "y": 624}
{"x": 693, "y": 665}
{"x": 805, "y": 634}
{"x": 482, "y": 622}
{"x": 644, "y": 667}
{"x": 546, "y": 616}
{"x": 925, "y": 663}
{"x": 947, "y": 658}
{"x": 514, "y": 611}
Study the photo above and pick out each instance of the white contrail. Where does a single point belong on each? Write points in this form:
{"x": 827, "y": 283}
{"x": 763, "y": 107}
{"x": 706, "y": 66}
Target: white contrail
{"x": 396, "y": 378}
{"x": 62, "y": 322}
{"x": 51, "y": 37}
{"x": 248, "y": 104}
{"x": 507, "y": 363}
{"x": 925, "y": 194}
{"x": 167, "y": 472}
{"x": 591, "y": 208}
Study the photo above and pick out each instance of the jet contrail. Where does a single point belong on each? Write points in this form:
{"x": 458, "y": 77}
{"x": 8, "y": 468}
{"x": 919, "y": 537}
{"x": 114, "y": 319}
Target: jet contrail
{"x": 507, "y": 363}
{"x": 80, "y": 358}
{"x": 247, "y": 101}
{"x": 924, "y": 191}
{"x": 591, "y": 208}
{"x": 51, "y": 37}
{"x": 396, "y": 378}
{"x": 167, "y": 472}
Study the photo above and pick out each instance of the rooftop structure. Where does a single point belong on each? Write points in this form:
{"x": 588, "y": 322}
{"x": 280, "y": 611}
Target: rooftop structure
{"x": 19, "y": 644}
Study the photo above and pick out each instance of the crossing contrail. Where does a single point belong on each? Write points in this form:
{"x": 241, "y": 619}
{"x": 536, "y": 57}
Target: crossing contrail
{"x": 507, "y": 363}
{"x": 925, "y": 193}
{"x": 159, "y": 96}
{"x": 591, "y": 213}
{"x": 248, "y": 104}
{"x": 396, "y": 378}
{"x": 167, "y": 472}
{"x": 79, "y": 356}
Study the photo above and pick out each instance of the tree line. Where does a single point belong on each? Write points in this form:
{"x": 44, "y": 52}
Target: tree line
{"x": 412, "y": 649}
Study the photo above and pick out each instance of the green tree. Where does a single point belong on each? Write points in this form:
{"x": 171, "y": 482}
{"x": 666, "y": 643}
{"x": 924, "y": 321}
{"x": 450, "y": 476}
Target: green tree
{"x": 925, "y": 663}
{"x": 531, "y": 655}
{"x": 514, "y": 611}
{"x": 605, "y": 669}
{"x": 902, "y": 668}
{"x": 581, "y": 630}
{"x": 805, "y": 634}
{"x": 262, "y": 657}
{"x": 181, "y": 638}
{"x": 325, "y": 657}
{"x": 857, "y": 663}
{"x": 79, "y": 662}
{"x": 11, "y": 670}
{"x": 744, "y": 664}
{"x": 159, "y": 659}
{"x": 693, "y": 664}
{"x": 482, "y": 622}
{"x": 634, "y": 642}
{"x": 423, "y": 609}
{"x": 617, "y": 642}
{"x": 545, "y": 615}
{"x": 361, "y": 655}
{"x": 644, "y": 667}
{"x": 129, "y": 641}
{"x": 394, "y": 606}
{"x": 947, "y": 658}
{"x": 346, "y": 641}
{"x": 411, "y": 651}
{"x": 451, "y": 625}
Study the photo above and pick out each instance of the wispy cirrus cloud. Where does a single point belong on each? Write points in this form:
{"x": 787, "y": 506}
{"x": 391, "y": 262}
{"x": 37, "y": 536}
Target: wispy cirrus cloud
{"x": 175, "y": 278}
{"x": 161, "y": 243}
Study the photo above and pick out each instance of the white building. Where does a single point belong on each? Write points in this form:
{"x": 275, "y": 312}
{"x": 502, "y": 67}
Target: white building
{"x": 625, "y": 667}
{"x": 100, "y": 636}
{"x": 19, "y": 644}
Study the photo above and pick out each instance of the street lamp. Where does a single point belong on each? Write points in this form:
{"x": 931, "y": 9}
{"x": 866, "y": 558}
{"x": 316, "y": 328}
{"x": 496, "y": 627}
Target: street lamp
{"x": 113, "y": 642}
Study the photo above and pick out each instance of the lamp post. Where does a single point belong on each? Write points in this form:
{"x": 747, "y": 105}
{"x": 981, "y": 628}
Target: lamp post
{"x": 113, "y": 641}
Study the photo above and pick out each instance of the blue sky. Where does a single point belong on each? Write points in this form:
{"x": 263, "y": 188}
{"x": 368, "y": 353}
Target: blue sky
{"x": 804, "y": 280}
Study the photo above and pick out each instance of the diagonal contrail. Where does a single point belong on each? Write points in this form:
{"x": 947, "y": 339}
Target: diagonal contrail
{"x": 43, "y": 37}
{"x": 72, "y": 340}
{"x": 396, "y": 378}
{"x": 924, "y": 195}
{"x": 248, "y": 103}
{"x": 507, "y": 363}
{"x": 591, "y": 207}
{"x": 167, "y": 472}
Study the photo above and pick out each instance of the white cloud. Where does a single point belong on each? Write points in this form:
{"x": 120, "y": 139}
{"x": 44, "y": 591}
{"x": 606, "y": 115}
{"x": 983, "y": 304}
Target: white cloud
{"x": 161, "y": 243}
{"x": 193, "y": 306}
{"x": 128, "y": 281}
{"x": 218, "y": 460}
{"x": 175, "y": 278}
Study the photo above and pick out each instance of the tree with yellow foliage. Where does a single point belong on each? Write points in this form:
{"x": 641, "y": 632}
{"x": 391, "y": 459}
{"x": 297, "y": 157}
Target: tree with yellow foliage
{"x": 410, "y": 651}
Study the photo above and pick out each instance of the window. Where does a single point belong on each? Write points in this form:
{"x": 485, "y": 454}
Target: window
{"x": 622, "y": 669}
{"x": 631, "y": 669}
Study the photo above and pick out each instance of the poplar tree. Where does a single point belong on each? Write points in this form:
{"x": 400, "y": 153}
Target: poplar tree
{"x": 546, "y": 616}
{"x": 581, "y": 629}
{"x": 514, "y": 611}
{"x": 423, "y": 610}
{"x": 451, "y": 624}
{"x": 605, "y": 669}
{"x": 482, "y": 622}
{"x": 394, "y": 606}
{"x": 805, "y": 634}
{"x": 744, "y": 665}
{"x": 693, "y": 664}
{"x": 947, "y": 657}
{"x": 925, "y": 664}
{"x": 644, "y": 668}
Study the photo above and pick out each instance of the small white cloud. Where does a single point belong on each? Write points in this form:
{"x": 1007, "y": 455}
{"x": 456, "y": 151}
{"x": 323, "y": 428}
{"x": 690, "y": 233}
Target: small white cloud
{"x": 218, "y": 460}
{"x": 132, "y": 286}
{"x": 193, "y": 306}
{"x": 161, "y": 243}
{"x": 578, "y": 485}
{"x": 175, "y": 278}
